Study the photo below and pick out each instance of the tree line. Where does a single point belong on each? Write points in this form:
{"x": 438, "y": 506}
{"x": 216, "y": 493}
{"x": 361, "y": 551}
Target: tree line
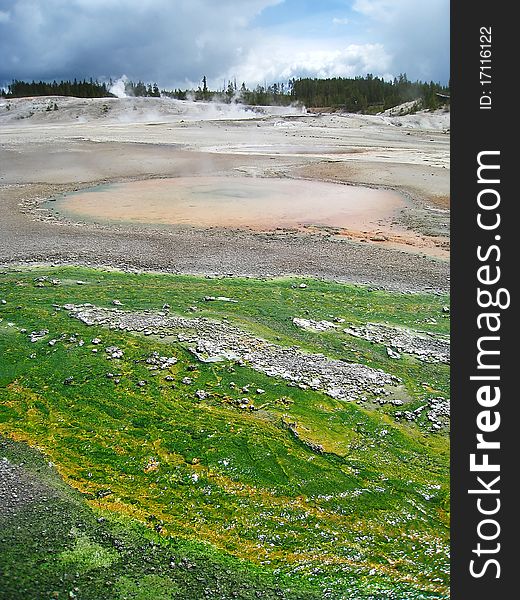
{"x": 79, "y": 89}
{"x": 275, "y": 94}
{"x": 366, "y": 94}
{"x": 359, "y": 94}
{"x": 142, "y": 89}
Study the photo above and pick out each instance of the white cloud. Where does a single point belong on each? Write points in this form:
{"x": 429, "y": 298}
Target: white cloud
{"x": 415, "y": 33}
{"x": 279, "y": 60}
{"x": 378, "y": 9}
{"x": 340, "y": 21}
{"x": 5, "y": 16}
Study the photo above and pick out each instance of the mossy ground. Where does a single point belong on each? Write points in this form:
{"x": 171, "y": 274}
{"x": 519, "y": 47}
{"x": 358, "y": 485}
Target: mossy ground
{"x": 365, "y": 518}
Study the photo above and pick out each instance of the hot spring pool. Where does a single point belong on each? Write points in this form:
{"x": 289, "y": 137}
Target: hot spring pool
{"x": 237, "y": 202}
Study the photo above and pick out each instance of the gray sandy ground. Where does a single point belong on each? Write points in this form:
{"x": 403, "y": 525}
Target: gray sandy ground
{"x": 40, "y": 158}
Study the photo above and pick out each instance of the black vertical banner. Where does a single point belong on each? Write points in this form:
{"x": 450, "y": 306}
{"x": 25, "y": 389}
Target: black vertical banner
{"x": 485, "y": 328}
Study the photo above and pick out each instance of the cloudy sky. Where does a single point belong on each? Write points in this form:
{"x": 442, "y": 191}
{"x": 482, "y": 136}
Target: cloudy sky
{"x": 176, "y": 42}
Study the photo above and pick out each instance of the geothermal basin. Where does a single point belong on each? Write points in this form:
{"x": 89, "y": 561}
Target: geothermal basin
{"x": 260, "y": 204}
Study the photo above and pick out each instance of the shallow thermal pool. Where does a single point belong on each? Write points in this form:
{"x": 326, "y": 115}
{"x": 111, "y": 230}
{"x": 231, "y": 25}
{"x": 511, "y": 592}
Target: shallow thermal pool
{"x": 237, "y": 202}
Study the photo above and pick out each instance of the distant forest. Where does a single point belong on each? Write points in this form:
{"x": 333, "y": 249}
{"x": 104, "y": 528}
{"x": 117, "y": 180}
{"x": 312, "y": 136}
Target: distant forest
{"x": 79, "y": 89}
{"x": 364, "y": 94}
{"x": 360, "y": 94}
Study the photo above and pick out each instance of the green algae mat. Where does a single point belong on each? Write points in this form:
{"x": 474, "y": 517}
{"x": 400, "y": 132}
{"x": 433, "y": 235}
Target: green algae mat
{"x": 134, "y": 469}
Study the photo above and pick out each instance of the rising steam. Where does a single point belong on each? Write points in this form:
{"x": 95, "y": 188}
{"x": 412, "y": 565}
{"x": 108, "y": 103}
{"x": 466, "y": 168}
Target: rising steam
{"x": 118, "y": 88}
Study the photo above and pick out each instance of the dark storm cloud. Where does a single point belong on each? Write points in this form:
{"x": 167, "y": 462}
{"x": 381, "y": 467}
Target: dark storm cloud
{"x": 164, "y": 40}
